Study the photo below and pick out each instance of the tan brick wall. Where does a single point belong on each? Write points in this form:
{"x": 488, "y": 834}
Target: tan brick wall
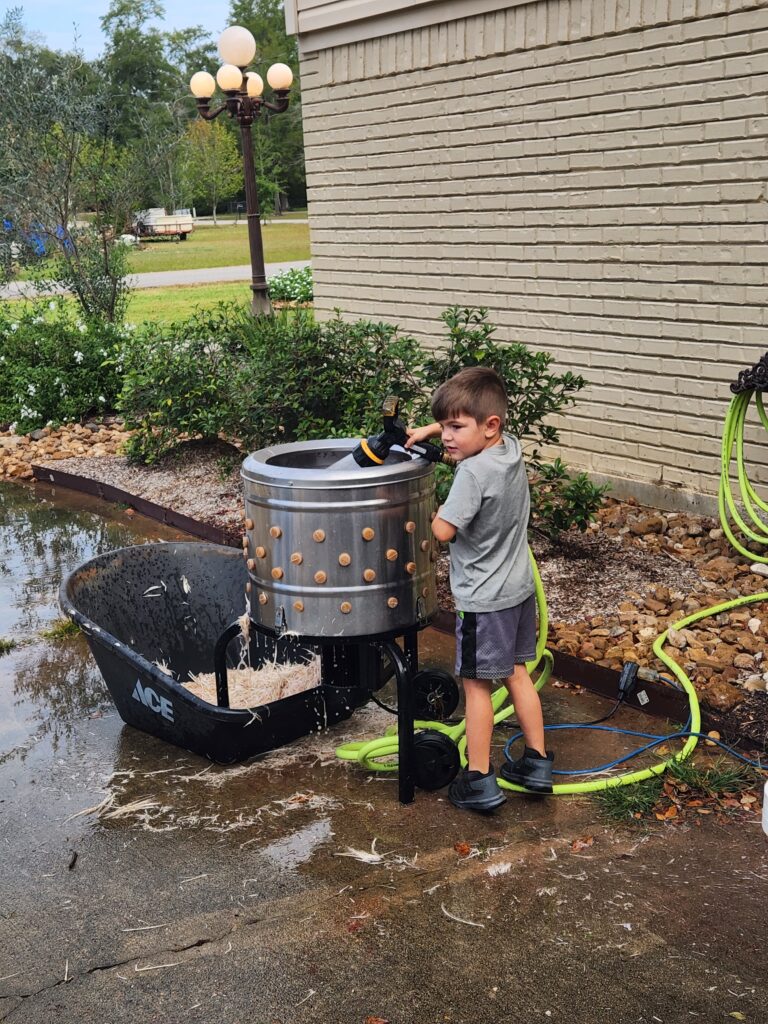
{"x": 595, "y": 173}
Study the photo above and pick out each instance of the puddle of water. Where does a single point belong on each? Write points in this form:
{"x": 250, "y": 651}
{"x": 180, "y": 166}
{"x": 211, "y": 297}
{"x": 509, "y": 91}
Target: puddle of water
{"x": 63, "y": 748}
{"x": 47, "y": 685}
{"x": 298, "y": 847}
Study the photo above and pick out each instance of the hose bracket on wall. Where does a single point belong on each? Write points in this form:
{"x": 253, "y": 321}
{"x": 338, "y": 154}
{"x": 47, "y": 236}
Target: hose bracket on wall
{"x": 754, "y": 378}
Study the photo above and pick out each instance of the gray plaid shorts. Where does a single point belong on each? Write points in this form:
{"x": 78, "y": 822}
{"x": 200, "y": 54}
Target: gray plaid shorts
{"x": 490, "y": 644}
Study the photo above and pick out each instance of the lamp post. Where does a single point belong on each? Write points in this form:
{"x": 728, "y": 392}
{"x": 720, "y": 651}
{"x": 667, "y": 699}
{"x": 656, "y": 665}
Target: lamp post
{"x": 244, "y": 101}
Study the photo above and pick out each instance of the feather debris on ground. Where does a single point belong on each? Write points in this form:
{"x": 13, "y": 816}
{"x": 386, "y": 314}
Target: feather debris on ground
{"x": 460, "y": 920}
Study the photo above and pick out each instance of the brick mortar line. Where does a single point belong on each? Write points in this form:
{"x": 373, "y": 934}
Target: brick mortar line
{"x": 352, "y": 183}
{"x": 350, "y": 188}
{"x": 647, "y": 147}
{"x": 637, "y": 261}
{"x": 678, "y": 205}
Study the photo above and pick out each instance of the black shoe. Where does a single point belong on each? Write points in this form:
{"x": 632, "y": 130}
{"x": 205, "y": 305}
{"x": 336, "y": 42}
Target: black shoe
{"x": 472, "y": 791}
{"x": 531, "y": 770}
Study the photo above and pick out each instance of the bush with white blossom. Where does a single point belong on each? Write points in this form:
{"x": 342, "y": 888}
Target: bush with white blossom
{"x": 54, "y": 367}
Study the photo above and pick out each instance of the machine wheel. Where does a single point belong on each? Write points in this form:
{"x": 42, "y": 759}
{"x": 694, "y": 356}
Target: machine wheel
{"x": 435, "y": 694}
{"x": 436, "y": 759}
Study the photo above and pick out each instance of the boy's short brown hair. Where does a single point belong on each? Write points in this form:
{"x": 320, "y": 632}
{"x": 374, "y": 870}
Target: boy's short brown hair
{"x": 477, "y": 391}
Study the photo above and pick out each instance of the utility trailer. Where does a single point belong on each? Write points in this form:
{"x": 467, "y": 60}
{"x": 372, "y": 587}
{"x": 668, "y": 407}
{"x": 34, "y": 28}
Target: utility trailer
{"x": 156, "y": 223}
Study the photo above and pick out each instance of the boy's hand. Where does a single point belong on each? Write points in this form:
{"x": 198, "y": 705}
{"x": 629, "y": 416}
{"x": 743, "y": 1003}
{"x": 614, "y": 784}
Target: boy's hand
{"x": 417, "y": 435}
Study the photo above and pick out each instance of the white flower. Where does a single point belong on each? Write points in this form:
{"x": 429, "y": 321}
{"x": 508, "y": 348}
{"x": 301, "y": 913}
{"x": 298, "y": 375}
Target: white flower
{"x": 31, "y": 389}
{"x": 27, "y": 413}
{"x": 51, "y": 305}
{"x": 14, "y": 327}
{"x": 12, "y": 427}
{"x": 78, "y": 357}
{"x": 102, "y": 399}
{"x": 82, "y": 328}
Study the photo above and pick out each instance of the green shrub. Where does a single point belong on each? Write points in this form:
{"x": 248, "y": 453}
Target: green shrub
{"x": 292, "y": 285}
{"x": 179, "y": 379}
{"x": 534, "y": 392}
{"x": 261, "y": 380}
{"x": 559, "y": 501}
{"x": 303, "y": 380}
{"x": 269, "y": 380}
{"x": 55, "y": 367}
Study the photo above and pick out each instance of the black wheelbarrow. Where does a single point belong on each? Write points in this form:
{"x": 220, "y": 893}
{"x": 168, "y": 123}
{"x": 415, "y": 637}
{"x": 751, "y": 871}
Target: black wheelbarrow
{"x": 167, "y": 605}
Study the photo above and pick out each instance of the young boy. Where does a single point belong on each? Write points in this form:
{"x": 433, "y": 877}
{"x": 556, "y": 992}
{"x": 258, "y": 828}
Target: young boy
{"x": 486, "y": 518}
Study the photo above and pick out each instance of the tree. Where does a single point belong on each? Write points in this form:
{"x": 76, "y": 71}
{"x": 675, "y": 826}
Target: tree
{"x": 190, "y": 50}
{"x": 139, "y": 75}
{"x": 57, "y": 160}
{"x": 213, "y": 168}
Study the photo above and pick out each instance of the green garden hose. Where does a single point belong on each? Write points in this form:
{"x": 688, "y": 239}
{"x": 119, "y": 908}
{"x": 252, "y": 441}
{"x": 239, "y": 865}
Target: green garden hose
{"x": 733, "y": 436}
{"x": 377, "y": 755}
{"x": 380, "y": 754}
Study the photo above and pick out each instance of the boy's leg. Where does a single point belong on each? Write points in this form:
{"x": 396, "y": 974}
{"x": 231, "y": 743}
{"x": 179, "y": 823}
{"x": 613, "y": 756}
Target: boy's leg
{"x": 534, "y": 769}
{"x": 479, "y": 718}
{"x": 475, "y": 788}
{"x": 527, "y": 708}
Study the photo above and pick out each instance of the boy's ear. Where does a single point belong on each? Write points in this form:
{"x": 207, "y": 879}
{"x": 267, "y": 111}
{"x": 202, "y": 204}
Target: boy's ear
{"x": 492, "y": 426}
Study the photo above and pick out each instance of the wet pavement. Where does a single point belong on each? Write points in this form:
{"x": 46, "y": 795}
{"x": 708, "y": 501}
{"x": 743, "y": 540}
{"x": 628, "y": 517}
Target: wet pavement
{"x": 141, "y": 883}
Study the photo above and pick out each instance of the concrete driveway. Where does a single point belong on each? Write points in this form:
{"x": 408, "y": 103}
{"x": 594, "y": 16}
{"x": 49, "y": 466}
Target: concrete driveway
{"x": 296, "y": 889}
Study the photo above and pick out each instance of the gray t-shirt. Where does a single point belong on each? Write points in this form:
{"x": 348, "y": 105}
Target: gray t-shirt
{"x": 489, "y": 505}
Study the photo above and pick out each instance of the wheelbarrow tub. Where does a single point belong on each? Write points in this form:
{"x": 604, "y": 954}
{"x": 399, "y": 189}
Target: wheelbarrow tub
{"x": 167, "y": 604}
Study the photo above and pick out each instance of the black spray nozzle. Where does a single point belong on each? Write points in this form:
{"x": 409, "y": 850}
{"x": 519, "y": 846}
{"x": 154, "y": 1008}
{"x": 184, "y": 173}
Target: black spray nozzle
{"x": 372, "y": 451}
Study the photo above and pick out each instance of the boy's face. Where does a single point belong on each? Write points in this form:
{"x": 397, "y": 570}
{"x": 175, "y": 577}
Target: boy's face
{"x": 463, "y": 436}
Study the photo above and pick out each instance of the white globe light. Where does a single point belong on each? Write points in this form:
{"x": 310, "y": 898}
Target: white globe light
{"x": 229, "y": 77}
{"x": 254, "y": 84}
{"x": 237, "y": 46}
{"x": 202, "y": 85}
{"x": 280, "y": 76}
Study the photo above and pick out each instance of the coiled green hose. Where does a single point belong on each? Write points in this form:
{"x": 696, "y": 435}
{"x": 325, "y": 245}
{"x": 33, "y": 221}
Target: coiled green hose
{"x": 733, "y": 436}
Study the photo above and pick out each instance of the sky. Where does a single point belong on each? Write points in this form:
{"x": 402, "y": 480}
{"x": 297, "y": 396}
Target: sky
{"x": 57, "y": 21}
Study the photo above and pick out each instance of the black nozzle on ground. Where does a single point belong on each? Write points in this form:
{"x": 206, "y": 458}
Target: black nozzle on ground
{"x": 628, "y": 680}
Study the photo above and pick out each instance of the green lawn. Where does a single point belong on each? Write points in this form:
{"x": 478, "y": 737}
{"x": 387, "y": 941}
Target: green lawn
{"x": 225, "y": 246}
{"x": 166, "y": 304}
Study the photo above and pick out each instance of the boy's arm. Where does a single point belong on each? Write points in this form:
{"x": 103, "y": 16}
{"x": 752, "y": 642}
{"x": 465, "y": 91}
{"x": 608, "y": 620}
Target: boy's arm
{"x": 418, "y": 434}
{"x": 442, "y": 529}
{"x": 460, "y": 507}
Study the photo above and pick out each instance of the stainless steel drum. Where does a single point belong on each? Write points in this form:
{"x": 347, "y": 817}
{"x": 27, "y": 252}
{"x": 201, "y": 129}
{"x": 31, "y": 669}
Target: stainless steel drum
{"x": 338, "y": 552}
